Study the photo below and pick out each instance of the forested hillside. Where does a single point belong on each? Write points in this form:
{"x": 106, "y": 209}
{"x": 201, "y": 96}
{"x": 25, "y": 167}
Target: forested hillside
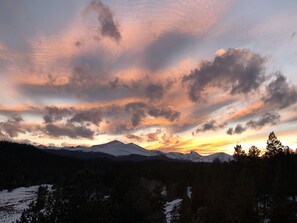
{"x": 25, "y": 165}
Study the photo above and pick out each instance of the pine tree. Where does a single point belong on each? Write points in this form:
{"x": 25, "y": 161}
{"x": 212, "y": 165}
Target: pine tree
{"x": 274, "y": 146}
{"x": 239, "y": 153}
{"x": 254, "y": 152}
{"x": 242, "y": 203}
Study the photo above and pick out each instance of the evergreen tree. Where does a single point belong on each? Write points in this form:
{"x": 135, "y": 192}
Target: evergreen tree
{"x": 254, "y": 152}
{"x": 242, "y": 205}
{"x": 185, "y": 211}
{"x": 282, "y": 209}
{"x": 274, "y": 146}
{"x": 37, "y": 211}
{"x": 239, "y": 154}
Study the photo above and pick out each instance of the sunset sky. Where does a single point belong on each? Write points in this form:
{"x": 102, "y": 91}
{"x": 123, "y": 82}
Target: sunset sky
{"x": 180, "y": 75}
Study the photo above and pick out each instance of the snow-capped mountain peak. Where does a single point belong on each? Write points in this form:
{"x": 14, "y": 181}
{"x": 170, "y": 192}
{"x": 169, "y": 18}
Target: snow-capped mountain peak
{"x": 117, "y": 148}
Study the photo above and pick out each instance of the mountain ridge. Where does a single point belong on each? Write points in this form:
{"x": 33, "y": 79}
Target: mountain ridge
{"x": 119, "y": 149}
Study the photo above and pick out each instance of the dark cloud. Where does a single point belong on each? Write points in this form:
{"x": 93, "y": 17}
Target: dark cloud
{"x": 230, "y": 131}
{"x": 85, "y": 116}
{"x": 85, "y": 86}
{"x": 14, "y": 126}
{"x": 108, "y": 26}
{"x": 134, "y": 137}
{"x": 165, "y": 112}
{"x": 154, "y": 91}
{"x": 92, "y": 116}
{"x": 118, "y": 83}
{"x": 280, "y": 94}
{"x": 16, "y": 118}
{"x": 69, "y": 130}
{"x": 237, "y": 70}
{"x": 121, "y": 119}
{"x": 140, "y": 110}
{"x": 269, "y": 118}
{"x": 237, "y": 130}
{"x": 11, "y": 128}
{"x": 54, "y": 114}
{"x": 210, "y": 126}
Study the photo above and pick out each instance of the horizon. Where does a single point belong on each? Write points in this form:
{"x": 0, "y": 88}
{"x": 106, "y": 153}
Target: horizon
{"x": 262, "y": 150}
{"x": 175, "y": 76}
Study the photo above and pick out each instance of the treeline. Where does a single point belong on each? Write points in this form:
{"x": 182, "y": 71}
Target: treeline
{"x": 25, "y": 165}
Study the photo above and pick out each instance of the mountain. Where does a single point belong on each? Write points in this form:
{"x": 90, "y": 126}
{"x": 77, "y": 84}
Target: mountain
{"x": 116, "y": 150}
{"x": 192, "y": 156}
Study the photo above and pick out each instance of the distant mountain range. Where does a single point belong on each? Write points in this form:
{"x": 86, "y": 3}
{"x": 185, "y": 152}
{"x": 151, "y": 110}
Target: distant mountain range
{"x": 116, "y": 150}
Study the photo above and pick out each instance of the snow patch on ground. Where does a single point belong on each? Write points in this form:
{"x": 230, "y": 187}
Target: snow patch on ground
{"x": 13, "y": 203}
{"x": 189, "y": 192}
{"x": 164, "y": 191}
{"x": 169, "y": 206}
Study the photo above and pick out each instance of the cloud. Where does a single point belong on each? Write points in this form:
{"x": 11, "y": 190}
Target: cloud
{"x": 269, "y": 118}
{"x": 168, "y": 139}
{"x": 162, "y": 137}
{"x": 92, "y": 116}
{"x": 153, "y": 136}
{"x": 56, "y": 114}
{"x": 12, "y": 129}
{"x": 133, "y": 137}
{"x": 220, "y": 52}
{"x": 209, "y": 126}
{"x": 112, "y": 118}
{"x": 108, "y": 26}
{"x": 237, "y": 70}
{"x": 154, "y": 91}
{"x": 140, "y": 110}
{"x": 280, "y": 94}
{"x": 165, "y": 112}
{"x": 117, "y": 127}
{"x": 15, "y": 118}
{"x": 69, "y": 130}
{"x": 87, "y": 85}
{"x": 14, "y": 125}
{"x": 237, "y": 130}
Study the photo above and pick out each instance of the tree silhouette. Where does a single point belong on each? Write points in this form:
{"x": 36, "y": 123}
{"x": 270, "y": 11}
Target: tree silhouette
{"x": 242, "y": 205}
{"x": 239, "y": 154}
{"x": 274, "y": 146}
{"x": 254, "y": 152}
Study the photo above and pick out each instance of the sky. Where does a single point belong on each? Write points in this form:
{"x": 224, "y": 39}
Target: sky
{"x": 184, "y": 75}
